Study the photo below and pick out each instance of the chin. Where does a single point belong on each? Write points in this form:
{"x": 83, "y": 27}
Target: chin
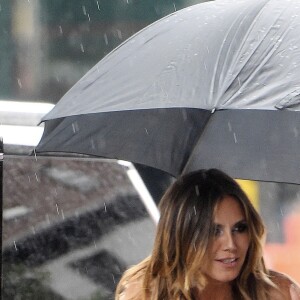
{"x": 223, "y": 278}
{"x": 226, "y": 279}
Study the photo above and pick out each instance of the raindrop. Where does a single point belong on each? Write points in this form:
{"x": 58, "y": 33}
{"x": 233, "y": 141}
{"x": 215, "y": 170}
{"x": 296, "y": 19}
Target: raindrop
{"x": 29, "y": 179}
{"x": 207, "y": 49}
{"x": 75, "y": 127}
{"x": 20, "y": 83}
{"x": 174, "y": 6}
{"x": 105, "y": 39}
{"x": 88, "y": 15}
{"x": 60, "y": 30}
{"x": 205, "y": 66}
{"x": 113, "y": 277}
{"x": 34, "y": 154}
{"x": 229, "y": 126}
{"x": 95, "y": 244}
{"x": 235, "y": 139}
{"x": 98, "y": 5}
{"x": 62, "y": 214}
{"x": 33, "y": 229}
{"x": 197, "y": 190}
{"x": 48, "y": 219}
{"x": 195, "y": 210}
{"x": 81, "y": 47}
{"x": 239, "y": 81}
{"x": 146, "y": 131}
{"x": 105, "y": 209}
{"x": 213, "y": 110}
{"x": 57, "y": 210}
{"x": 296, "y": 132}
{"x": 119, "y": 34}
{"x": 15, "y": 246}
{"x": 84, "y": 10}
{"x": 36, "y": 177}
{"x": 194, "y": 246}
{"x": 281, "y": 212}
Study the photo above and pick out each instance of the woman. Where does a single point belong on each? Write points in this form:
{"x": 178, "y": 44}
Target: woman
{"x": 208, "y": 246}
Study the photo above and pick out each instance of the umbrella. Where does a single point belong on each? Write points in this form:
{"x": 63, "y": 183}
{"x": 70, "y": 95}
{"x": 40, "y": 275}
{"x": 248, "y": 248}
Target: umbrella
{"x": 212, "y": 85}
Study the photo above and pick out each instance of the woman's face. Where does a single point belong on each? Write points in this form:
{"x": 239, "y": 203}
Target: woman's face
{"x": 230, "y": 243}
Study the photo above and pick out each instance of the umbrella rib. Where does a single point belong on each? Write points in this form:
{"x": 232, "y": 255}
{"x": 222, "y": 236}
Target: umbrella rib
{"x": 229, "y": 52}
{"x": 269, "y": 52}
{"x": 213, "y": 81}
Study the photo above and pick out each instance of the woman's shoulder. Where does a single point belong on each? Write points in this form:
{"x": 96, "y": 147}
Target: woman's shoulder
{"x": 287, "y": 287}
{"x": 280, "y": 278}
{"x": 132, "y": 283}
{"x": 131, "y": 289}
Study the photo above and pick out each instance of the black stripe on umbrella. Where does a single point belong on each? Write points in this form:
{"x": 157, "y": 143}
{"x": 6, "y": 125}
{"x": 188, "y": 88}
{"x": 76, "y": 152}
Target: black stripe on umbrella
{"x": 251, "y": 144}
{"x": 159, "y": 138}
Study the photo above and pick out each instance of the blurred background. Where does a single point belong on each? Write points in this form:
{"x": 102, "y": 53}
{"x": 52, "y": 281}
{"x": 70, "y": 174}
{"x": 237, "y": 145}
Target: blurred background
{"x": 71, "y": 226}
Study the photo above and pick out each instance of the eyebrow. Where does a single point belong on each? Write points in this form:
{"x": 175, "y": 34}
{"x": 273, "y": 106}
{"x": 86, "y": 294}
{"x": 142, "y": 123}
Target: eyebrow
{"x": 241, "y": 222}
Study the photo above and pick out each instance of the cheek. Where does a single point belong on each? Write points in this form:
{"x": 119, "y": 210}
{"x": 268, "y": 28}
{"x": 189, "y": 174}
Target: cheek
{"x": 209, "y": 257}
{"x": 213, "y": 248}
{"x": 244, "y": 242}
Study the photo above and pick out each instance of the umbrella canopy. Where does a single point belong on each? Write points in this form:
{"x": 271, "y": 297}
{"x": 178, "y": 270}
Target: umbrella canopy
{"x": 213, "y": 85}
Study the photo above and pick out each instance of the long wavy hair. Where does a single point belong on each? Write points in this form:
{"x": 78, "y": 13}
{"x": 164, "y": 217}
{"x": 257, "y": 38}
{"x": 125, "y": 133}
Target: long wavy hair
{"x": 184, "y": 232}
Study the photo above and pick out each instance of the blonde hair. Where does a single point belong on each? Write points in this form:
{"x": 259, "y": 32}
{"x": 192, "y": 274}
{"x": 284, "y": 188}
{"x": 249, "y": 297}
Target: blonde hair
{"x": 184, "y": 232}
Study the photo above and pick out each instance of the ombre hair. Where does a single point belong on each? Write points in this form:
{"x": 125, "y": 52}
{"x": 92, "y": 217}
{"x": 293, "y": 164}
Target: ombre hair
{"x": 184, "y": 233}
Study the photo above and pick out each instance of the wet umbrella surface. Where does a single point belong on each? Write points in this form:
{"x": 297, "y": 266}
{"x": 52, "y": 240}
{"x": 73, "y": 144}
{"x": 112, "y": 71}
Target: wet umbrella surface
{"x": 212, "y": 85}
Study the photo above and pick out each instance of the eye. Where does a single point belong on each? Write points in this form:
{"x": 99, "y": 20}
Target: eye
{"x": 240, "y": 228}
{"x": 217, "y": 231}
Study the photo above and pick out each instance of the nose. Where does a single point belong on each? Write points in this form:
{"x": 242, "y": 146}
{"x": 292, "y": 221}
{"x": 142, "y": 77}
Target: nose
{"x": 229, "y": 242}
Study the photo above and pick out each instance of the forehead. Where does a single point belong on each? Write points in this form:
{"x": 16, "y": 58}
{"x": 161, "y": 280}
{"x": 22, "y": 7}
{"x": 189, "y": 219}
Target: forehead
{"x": 228, "y": 210}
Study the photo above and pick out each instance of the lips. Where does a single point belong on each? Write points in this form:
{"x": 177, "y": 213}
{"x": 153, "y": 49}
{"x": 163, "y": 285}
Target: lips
{"x": 228, "y": 262}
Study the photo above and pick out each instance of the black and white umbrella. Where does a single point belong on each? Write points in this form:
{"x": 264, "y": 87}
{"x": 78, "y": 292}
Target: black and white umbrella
{"x": 213, "y": 85}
